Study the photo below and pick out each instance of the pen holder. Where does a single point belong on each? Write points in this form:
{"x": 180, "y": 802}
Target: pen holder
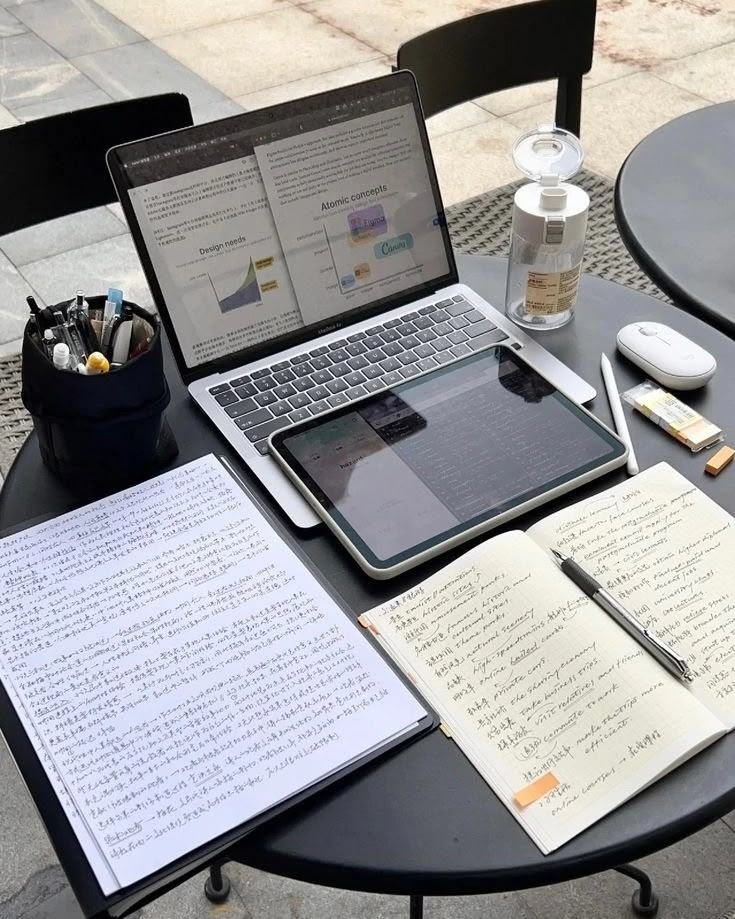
{"x": 108, "y": 429}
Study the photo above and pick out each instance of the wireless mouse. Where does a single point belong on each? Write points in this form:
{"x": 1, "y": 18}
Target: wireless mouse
{"x": 666, "y": 355}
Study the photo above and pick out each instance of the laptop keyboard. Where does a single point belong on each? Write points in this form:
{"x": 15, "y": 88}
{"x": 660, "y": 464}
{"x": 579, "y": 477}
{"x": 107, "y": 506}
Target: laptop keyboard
{"x": 323, "y": 378}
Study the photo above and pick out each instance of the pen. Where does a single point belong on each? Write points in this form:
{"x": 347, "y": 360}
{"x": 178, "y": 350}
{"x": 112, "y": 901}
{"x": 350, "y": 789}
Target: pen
{"x": 621, "y": 425}
{"x": 634, "y": 627}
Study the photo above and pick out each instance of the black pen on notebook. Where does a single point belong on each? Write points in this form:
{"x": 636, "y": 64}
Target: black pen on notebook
{"x": 633, "y": 626}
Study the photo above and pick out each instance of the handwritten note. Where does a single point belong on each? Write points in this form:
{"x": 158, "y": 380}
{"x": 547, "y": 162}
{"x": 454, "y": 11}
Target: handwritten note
{"x": 668, "y": 552}
{"x": 179, "y": 669}
{"x": 531, "y": 677}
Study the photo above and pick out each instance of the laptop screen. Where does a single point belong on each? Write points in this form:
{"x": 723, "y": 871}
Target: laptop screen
{"x": 272, "y": 227}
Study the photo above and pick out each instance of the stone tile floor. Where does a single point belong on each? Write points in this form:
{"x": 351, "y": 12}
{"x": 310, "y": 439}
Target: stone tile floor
{"x": 654, "y": 60}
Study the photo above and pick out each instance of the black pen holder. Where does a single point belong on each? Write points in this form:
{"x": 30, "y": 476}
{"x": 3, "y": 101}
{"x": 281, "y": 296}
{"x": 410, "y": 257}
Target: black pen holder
{"x": 103, "y": 430}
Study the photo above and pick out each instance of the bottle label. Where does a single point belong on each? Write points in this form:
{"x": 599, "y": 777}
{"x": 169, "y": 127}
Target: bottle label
{"x": 552, "y": 292}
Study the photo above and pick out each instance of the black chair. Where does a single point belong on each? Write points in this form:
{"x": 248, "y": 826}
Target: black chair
{"x": 56, "y": 166}
{"x": 503, "y": 48}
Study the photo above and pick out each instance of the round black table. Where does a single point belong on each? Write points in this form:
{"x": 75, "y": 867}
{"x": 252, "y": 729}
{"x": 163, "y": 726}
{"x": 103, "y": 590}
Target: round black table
{"x": 422, "y": 821}
{"x": 674, "y": 204}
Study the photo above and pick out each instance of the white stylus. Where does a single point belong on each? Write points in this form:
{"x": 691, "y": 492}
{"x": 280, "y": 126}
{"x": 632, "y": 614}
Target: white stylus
{"x": 616, "y": 406}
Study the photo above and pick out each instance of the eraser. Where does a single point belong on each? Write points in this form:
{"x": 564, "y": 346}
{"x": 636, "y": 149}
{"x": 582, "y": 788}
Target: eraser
{"x": 722, "y": 458}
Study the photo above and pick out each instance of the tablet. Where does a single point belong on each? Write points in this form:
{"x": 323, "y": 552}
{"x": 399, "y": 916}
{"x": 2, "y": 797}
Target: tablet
{"x": 419, "y": 468}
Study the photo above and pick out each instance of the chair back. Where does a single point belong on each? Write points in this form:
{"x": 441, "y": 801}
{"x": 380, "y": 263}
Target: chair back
{"x": 56, "y": 166}
{"x": 503, "y": 48}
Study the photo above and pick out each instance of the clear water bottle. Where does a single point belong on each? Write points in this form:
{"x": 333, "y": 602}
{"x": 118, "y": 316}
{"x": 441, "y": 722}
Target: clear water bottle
{"x": 548, "y": 230}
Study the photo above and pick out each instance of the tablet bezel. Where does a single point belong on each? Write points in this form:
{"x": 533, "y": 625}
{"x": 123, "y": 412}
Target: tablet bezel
{"x": 492, "y": 518}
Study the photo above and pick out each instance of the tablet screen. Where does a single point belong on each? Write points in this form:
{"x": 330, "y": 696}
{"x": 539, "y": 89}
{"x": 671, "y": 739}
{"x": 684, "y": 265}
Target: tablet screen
{"x": 412, "y": 466}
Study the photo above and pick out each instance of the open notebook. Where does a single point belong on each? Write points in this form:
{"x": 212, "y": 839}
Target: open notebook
{"x": 180, "y": 671}
{"x": 561, "y": 711}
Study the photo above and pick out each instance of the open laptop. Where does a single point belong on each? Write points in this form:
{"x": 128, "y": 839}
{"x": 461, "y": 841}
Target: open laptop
{"x": 300, "y": 259}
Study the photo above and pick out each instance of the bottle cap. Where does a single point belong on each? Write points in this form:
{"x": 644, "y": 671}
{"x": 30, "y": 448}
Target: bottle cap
{"x": 548, "y": 154}
{"x": 61, "y": 355}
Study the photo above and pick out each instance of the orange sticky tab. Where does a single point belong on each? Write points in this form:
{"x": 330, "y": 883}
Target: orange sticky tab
{"x": 536, "y": 790}
{"x": 367, "y": 624}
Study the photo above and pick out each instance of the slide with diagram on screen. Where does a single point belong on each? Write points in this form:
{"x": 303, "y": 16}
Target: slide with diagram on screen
{"x": 354, "y": 210}
{"x": 215, "y": 250}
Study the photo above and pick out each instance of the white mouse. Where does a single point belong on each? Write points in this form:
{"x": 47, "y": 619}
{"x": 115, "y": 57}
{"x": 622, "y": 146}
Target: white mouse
{"x": 666, "y": 355}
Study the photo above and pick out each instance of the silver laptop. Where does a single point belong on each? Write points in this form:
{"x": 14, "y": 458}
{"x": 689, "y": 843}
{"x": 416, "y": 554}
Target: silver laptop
{"x": 300, "y": 259}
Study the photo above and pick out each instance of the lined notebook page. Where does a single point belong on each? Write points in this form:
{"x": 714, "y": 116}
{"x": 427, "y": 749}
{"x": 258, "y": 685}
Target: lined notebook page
{"x": 667, "y": 551}
{"x": 531, "y": 677}
{"x": 179, "y": 670}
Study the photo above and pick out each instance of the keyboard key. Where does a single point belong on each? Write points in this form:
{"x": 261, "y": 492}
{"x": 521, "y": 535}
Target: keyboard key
{"x": 283, "y": 392}
{"x": 239, "y": 381}
{"x": 442, "y": 303}
{"x": 216, "y": 390}
{"x": 425, "y": 310}
{"x": 458, "y": 298}
{"x": 354, "y": 379}
{"x": 281, "y": 365}
{"x": 264, "y": 383}
{"x": 280, "y": 408}
{"x": 392, "y": 323}
{"x": 321, "y": 377}
{"x": 262, "y": 447}
{"x": 373, "y": 385}
{"x": 491, "y": 338}
{"x": 441, "y": 344}
{"x": 299, "y": 400}
{"x": 338, "y": 344}
{"x": 318, "y": 407}
{"x": 358, "y": 336}
{"x": 317, "y": 352}
{"x": 444, "y": 357}
{"x": 427, "y": 364}
{"x": 461, "y": 306}
{"x": 457, "y": 337}
{"x": 409, "y": 371}
{"x": 299, "y": 359}
{"x": 303, "y": 369}
{"x": 392, "y": 348}
{"x": 479, "y": 328}
{"x": 410, "y": 317}
{"x": 242, "y": 408}
{"x": 252, "y": 419}
{"x": 301, "y": 414}
{"x": 356, "y": 392}
{"x": 460, "y": 350}
{"x": 259, "y": 374}
{"x": 303, "y": 384}
{"x": 337, "y": 399}
{"x": 321, "y": 363}
{"x": 410, "y": 341}
{"x": 426, "y": 335}
{"x": 263, "y": 430}
{"x": 474, "y": 315}
{"x": 441, "y": 316}
{"x": 390, "y": 379}
{"x": 406, "y": 328}
{"x": 458, "y": 322}
{"x": 356, "y": 348}
{"x": 442, "y": 328}
{"x": 424, "y": 350}
{"x": 339, "y": 355}
{"x": 408, "y": 357}
{"x": 226, "y": 398}
{"x": 247, "y": 389}
{"x": 319, "y": 392}
{"x": 377, "y": 355}
{"x": 422, "y": 322}
{"x": 374, "y": 341}
{"x": 357, "y": 363}
{"x": 390, "y": 335}
{"x": 266, "y": 398}
{"x": 390, "y": 363}
{"x": 375, "y": 330}
{"x": 284, "y": 376}
{"x": 339, "y": 370}
{"x": 372, "y": 371}
{"x": 338, "y": 385}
